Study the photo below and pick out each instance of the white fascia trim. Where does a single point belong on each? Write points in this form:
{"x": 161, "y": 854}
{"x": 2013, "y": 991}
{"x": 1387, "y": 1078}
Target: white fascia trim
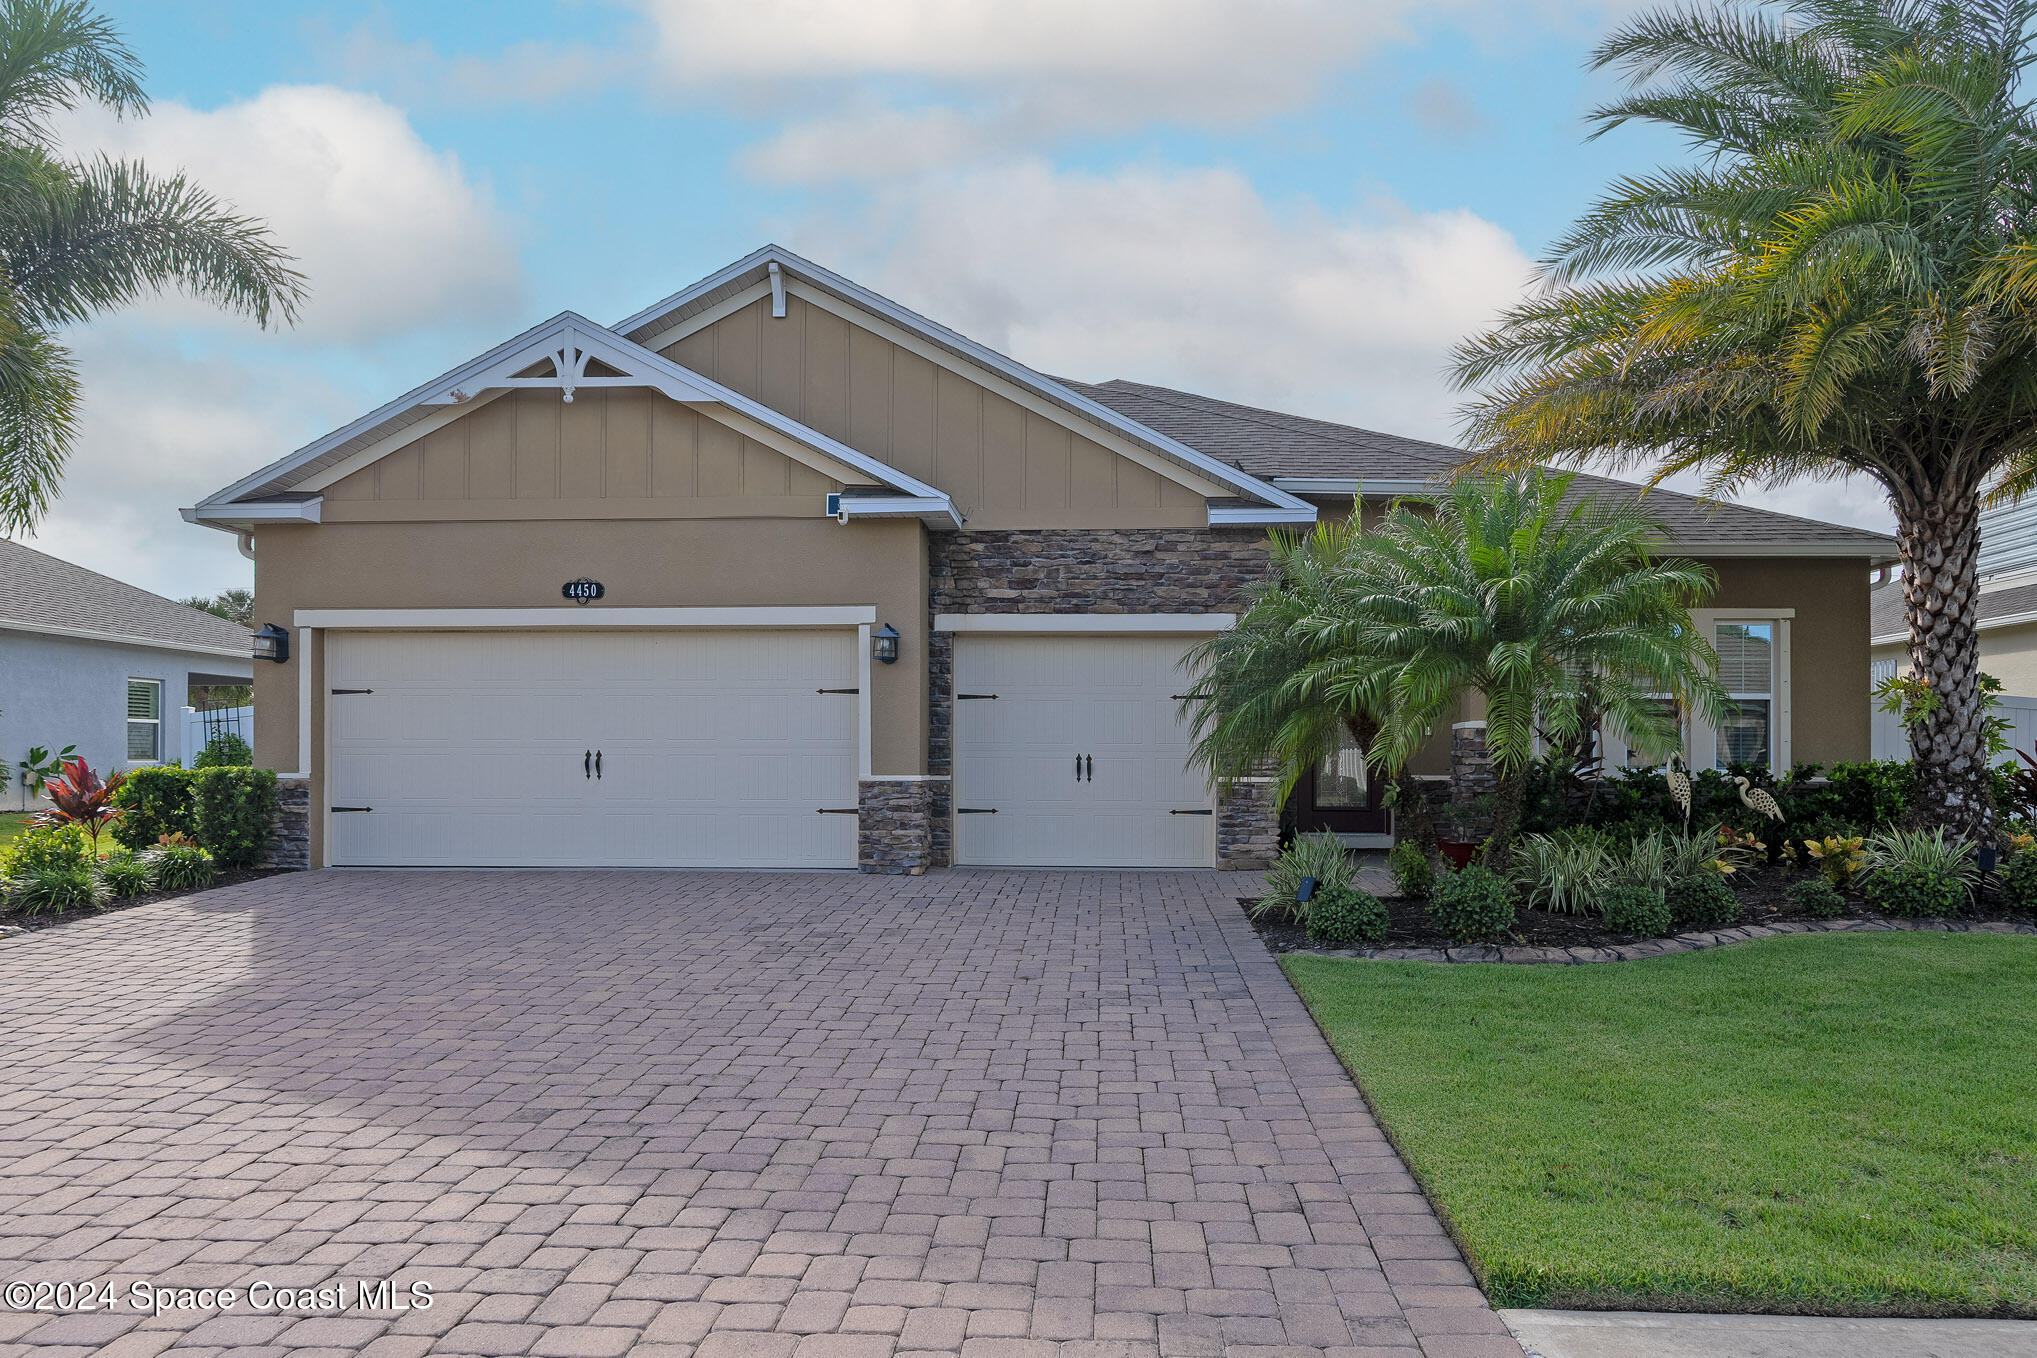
{"x": 257, "y": 511}
{"x": 938, "y": 511}
{"x": 1085, "y": 622}
{"x": 1009, "y": 369}
{"x": 650, "y": 369}
{"x": 475, "y": 619}
{"x": 1260, "y": 514}
{"x": 1872, "y": 555}
{"x": 1353, "y": 485}
{"x": 125, "y": 639}
{"x": 1984, "y": 625}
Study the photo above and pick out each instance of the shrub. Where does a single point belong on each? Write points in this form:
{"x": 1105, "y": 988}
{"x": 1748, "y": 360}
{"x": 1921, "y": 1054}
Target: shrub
{"x": 125, "y": 875}
{"x": 1475, "y": 905}
{"x": 2019, "y": 880}
{"x": 1914, "y": 892}
{"x": 1563, "y": 871}
{"x": 1345, "y": 917}
{"x": 45, "y": 846}
{"x": 57, "y": 887}
{"x": 1817, "y": 898}
{"x": 179, "y": 867}
{"x": 1413, "y": 872}
{"x": 1701, "y": 900}
{"x": 235, "y": 809}
{"x": 158, "y": 803}
{"x": 1321, "y": 856}
{"x": 1932, "y": 854}
{"x": 1634, "y": 910}
{"x": 225, "y": 750}
{"x": 1838, "y": 858}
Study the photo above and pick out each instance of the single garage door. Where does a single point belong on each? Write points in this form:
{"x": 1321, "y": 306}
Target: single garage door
{"x": 684, "y": 748}
{"x": 1070, "y": 752}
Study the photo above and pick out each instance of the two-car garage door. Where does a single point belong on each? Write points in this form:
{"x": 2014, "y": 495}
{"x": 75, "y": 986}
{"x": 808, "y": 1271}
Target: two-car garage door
{"x": 690, "y": 748}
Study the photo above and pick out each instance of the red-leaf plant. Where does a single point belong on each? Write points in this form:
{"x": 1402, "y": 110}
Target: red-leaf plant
{"x": 80, "y": 797}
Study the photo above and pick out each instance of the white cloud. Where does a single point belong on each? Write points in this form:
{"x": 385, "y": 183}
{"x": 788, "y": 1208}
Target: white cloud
{"x": 393, "y": 235}
{"x": 159, "y": 430}
{"x": 1190, "y": 278}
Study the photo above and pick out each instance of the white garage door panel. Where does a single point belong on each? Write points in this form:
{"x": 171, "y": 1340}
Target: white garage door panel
{"x": 716, "y": 748}
{"x": 1110, "y": 699}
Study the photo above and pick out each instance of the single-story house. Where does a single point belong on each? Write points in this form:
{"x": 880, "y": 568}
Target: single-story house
{"x": 2007, "y": 615}
{"x": 87, "y": 660}
{"x": 777, "y": 573}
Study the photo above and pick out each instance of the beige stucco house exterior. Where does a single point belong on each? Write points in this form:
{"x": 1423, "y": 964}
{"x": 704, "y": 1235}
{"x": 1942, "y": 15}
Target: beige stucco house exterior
{"x": 766, "y": 476}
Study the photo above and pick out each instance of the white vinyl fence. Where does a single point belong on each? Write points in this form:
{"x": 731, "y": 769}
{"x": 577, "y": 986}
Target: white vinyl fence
{"x": 201, "y": 727}
{"x": 1891, "y": 741}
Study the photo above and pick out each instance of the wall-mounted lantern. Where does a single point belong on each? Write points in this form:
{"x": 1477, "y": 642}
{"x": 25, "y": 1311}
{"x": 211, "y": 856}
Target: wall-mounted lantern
{"x": 272, "y": 643}
{"x": 884, "y": 644}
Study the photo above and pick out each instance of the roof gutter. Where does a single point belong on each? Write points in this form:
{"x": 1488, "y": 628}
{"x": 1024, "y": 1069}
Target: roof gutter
{"x": 237, "y": 516}
{"x": 936, "y": 511}
{"x": 123, "y": 639}
{"x": 1246, "y": 516}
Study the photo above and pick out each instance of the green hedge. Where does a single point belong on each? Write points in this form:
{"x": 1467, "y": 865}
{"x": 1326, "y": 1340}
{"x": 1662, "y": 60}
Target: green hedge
{"x": 158, "y": 802}
{"x": 236, "y": 812}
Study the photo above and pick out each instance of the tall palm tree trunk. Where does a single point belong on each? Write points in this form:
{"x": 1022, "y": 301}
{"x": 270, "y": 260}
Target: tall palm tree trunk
{"x": 1938, "y": 532}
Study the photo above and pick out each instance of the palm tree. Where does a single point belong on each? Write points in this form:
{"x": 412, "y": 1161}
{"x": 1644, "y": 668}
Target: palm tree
{"x": 1552, "y": 607}
{"x": 78, "y": 238}
{"x": 1844, "y": 282}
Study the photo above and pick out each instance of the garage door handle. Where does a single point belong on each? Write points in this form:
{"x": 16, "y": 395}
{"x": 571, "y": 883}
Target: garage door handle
{"x": 587, "y": 764}
{"x": 336, "y": 810}
{"x": 597, "y": 766}
{"x": 1205, "y": 811}
{"x": 1089, "y": 768}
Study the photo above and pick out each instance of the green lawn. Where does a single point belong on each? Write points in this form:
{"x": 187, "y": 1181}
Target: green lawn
{"x": 12, "y": 823}
{"x": 1838, "y": 1123}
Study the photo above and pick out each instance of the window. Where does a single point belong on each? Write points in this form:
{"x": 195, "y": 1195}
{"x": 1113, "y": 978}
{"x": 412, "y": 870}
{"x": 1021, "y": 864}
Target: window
{"x": 1747, "y": 672}
{"x": 1636, "y": 758}
{"x": 144, "y": 720}
{"x": 1340, "y": 778}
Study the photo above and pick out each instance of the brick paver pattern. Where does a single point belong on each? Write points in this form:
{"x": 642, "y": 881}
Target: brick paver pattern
{"x": 1001, "y": 1115}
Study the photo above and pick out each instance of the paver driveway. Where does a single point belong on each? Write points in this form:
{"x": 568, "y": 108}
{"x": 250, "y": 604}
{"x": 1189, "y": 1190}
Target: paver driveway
{"x": 1014, "y": 1115}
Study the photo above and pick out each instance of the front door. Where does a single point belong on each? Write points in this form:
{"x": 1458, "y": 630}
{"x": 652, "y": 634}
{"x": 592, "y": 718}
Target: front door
{"x": 1341, "y": 794}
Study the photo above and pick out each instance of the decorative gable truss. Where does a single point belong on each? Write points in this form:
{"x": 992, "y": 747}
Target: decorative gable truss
{"x": 569, "y": 353}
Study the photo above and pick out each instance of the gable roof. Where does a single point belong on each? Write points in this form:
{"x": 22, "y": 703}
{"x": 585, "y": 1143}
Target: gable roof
{"x": 43, "y": 593}
{"x": 1281, "y": 447}
{"x": 567, "y": 338}
{"x": 771, "y": 264}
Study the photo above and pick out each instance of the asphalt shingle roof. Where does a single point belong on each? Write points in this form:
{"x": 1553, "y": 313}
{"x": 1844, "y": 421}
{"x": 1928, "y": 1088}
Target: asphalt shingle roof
{"x": 39, "y": 592}
{"x": 1885, "y": 606}
{"x": 1268, "y": 443}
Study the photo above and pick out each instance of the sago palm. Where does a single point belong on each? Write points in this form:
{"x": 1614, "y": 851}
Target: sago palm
{"x": 1551, "y": 606}
{"x": 1844, "y": 281}
{"x": 80, "y": 237}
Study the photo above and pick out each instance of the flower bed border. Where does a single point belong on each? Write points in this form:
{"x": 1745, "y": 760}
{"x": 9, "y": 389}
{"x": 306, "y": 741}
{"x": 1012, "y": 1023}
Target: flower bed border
{"x": 1517, "y": 954}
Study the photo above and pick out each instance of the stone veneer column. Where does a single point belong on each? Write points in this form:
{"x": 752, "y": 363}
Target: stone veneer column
{"x": 1248, "y": 826}
{"x": 894, "y": 825}
{"x": 289, "y": 845}
{"x": 1471, "y": 772}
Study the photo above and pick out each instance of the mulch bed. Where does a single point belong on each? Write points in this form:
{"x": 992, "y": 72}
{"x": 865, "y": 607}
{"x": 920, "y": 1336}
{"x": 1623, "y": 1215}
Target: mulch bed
{"x": 10, "y": 921}
{"x": 1762, "y": 901}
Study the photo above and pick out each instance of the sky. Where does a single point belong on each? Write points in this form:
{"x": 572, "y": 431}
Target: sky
{"x": 1298, "y": 204}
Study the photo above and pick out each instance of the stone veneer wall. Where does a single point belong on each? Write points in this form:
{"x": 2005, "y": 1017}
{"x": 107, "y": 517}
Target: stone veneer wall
{"x": 893, "y": 825}
{"x": 290, "y": 844}
{"x": 1133, "y": 570}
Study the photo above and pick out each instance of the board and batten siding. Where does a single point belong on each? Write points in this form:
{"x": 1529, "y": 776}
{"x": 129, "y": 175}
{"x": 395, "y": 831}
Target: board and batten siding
{"x": 609, "y": 452}
{"x": 1003, "y": 465}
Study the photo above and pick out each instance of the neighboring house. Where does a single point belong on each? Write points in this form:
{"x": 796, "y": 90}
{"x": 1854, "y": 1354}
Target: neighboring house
{"x": 2008, "y": 604}
{"x": 88, "y": 661}
{"x": 776, "y": 573}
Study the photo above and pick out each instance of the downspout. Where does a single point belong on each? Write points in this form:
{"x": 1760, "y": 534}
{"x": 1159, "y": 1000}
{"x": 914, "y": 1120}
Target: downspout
{"x": 244, "y": 540}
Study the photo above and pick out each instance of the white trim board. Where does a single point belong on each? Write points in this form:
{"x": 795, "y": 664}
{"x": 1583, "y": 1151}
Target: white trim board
{"x": 120, "y": 639}
{"x": 467, "y": 619}
{"x": 1085, "y": 622}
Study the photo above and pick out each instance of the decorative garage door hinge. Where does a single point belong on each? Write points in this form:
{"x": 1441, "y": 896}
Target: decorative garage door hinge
{"x": 838, "y": 690}
{"x": 975, "y": 810}
{"x": 837, "y": 810}
{"x": 966, "y": 697}
{"x": 1204, "y": 812}
{"x": 336, "y": 810}
{"x": 338, "y": 691}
